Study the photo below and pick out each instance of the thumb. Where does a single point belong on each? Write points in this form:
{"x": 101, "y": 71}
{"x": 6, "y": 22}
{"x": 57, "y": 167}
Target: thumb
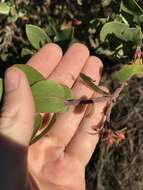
{"x": 18, "y": 110}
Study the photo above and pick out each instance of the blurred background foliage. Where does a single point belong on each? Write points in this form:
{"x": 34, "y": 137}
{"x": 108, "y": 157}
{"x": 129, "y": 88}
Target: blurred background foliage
{"x": 112, "y": 30}
{"x": 68, "y": 21}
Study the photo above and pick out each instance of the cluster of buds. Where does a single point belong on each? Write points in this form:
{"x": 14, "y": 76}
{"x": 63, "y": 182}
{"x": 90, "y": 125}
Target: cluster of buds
{"x": 112, "y": 137}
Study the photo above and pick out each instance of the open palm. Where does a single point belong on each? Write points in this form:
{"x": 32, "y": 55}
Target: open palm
{"x": 58, "y": 160}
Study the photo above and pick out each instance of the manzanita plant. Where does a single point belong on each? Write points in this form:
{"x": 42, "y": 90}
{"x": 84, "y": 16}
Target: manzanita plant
{"x": 51, "y": 97}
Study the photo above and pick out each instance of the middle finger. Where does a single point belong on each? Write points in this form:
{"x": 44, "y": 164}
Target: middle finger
{"x": 67, "y": 123}
{"x": 71, "y": 64}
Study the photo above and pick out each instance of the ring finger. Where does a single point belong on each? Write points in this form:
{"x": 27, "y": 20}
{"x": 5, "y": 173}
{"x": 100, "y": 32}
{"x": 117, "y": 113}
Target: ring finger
{"x": 86, "y": 138}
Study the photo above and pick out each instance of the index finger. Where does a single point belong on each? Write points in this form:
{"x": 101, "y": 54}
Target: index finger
{"x": 46, "y": 59}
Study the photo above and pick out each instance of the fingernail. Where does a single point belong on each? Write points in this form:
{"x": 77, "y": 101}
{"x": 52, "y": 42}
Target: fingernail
{"x": 12, "y": 79}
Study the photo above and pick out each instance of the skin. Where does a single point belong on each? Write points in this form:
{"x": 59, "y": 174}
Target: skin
{"x": 58, "y": 160}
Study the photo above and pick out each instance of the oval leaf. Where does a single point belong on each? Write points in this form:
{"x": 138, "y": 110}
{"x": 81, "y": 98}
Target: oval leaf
{"x": 127, "y": 71}
{"x": 68, "y": 94}
{"x": 48, "y": 96}
{"x": 93, "y": 86}
{"x": 32, "y": 74}
{"x": 121, "y": 31}
{"x": 4, "y": 8}
{"x": 36, "y": 36}
{"x": 49, "y": 104}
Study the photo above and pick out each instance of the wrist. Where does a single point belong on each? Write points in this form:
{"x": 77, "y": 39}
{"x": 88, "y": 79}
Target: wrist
{"x": 13, "y": 164}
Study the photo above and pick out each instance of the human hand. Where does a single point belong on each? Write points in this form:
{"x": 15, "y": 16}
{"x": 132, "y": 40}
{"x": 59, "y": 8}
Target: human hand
{"x": 57, "y": 161}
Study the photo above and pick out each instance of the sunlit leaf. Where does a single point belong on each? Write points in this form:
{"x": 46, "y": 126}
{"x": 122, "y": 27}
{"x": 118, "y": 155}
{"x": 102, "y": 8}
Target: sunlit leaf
{"x": 127, "y": 71}
{"x": 120, "y": 18}
{"x": 35, "y": 139}
{"x": 105, "y": 3}
{"x": 36, "y": 36}
{"x": 4, "y": 8}
{"x": 1, "y": 88}
{"x": 32, "y": 74}
{"x": 37, "y": 124}
{"x": 79, "y": 2}
{"x": 48, "y": 96}
{"x": 90, "y": 83}
{"x": 121, "y": 31}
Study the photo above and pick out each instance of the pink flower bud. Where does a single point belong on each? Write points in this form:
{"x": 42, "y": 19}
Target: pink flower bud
{"x": 76, "y": 22}
{"x": 120, "y": 136}
{"x": 138, "y": 53}
{"x": 110, "y": 139}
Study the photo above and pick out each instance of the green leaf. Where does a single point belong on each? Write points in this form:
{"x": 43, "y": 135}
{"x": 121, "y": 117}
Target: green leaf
{"x": 131, "y": 7}
{"x": 32, "y": 74}
{"x": 53, "y": 120}
{"x": 1, "y": 88}
{"x": 37, "y": 124}
{"x": 128, "y": 71}
{"x": 12, "y": 18}
{"x": 105, "y": 3}
{"x": 140, "y": 18}
{"x": 66, "y": 34}
{"x": 93, "y": 86}
{"x": 48, "y": 96}
{"x": 4, "y": 8}
{"x": 36, "y": 36}
{"x": 49, "y": 104}
{"x": 68, "y": 94}
{"x": 120, "y": 18}
{"x": 4, "y": 56}
{"x": 121, "y": 31}
{"x": 26, "y": 51}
